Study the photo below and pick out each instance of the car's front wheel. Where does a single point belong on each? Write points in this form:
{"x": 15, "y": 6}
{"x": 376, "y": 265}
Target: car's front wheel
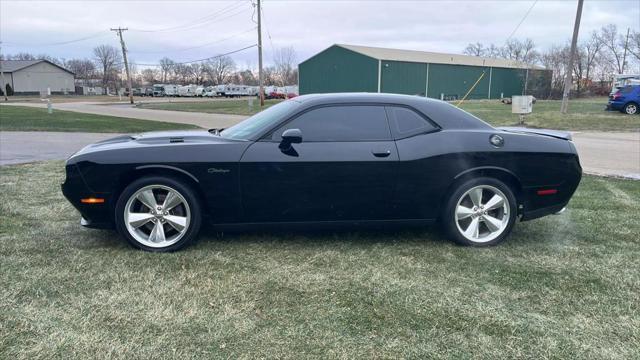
{"x": 158, "y": 214}
{"x": 631, "y": 108}
{"x": 479, "y": 212}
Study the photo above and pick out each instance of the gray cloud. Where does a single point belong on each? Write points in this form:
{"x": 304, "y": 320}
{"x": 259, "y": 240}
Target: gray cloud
{"x": 308, "y": 26}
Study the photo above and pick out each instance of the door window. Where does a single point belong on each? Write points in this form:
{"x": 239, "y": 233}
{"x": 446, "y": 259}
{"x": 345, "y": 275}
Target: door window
{"x": 340, "y": 123}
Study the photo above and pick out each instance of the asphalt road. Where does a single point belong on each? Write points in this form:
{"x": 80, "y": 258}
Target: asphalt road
{"x": 18, "y": 147}
{"x": 204, "y": 120}
{"x": 612, "y": 154}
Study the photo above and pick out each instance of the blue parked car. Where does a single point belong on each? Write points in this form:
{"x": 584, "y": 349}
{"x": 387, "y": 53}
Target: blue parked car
{"x": 627, "y": 100}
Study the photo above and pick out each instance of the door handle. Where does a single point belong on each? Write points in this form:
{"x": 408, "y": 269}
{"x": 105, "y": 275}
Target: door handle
{"x": 381, "y": 153}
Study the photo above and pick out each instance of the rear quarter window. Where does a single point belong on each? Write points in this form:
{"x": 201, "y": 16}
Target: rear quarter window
{"x": 406, "y": 122}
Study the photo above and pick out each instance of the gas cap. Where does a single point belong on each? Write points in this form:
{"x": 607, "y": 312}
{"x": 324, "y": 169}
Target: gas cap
{"x": 496, "y": 140}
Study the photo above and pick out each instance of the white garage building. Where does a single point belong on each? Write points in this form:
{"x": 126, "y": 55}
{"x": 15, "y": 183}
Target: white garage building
{"x": 36, "y": 76}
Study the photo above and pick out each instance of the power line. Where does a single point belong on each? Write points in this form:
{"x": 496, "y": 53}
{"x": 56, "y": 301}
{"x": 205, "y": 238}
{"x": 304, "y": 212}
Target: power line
{"x": 199, "y": 60}
{"x": 194, "y": 47}
{"x": 521, "y": 21}
{"x": 96, "y": 35}
{"x": 200, "y": 21}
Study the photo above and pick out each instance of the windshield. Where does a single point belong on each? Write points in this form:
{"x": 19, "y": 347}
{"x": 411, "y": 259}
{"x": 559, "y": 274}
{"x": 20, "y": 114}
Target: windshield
{"x": 251, "y": 128}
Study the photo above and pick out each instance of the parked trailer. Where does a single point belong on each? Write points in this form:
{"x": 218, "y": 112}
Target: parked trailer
{"x": 210, "y": 91}
{"x": 187, "y": 90}
{"x": 171, "y": 90}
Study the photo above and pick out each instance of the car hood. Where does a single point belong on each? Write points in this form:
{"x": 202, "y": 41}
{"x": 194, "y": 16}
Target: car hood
{"x": 155, "y": 139}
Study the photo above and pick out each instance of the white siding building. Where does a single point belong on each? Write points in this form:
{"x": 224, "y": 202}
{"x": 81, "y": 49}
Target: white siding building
{"x": 36, "y": 76}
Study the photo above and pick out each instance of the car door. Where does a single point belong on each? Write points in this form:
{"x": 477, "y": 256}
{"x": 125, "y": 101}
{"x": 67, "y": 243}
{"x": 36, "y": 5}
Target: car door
{"x": 420, "y": 179}
{"x": 344, "y": 168}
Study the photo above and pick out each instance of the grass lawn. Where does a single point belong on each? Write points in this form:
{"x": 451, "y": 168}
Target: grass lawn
{"x": 237, "y": 107}
{"x": 561, "y": 287}
{"x": 584, "y": 114}
{"x": 22, "y": 118}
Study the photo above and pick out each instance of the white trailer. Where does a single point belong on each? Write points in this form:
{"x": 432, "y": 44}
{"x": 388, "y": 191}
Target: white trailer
{"x": 200, "y": 91}
{"x": 170, "y": 90}
{"x": 210, "y": 91}
{"x": 187, "y": 90}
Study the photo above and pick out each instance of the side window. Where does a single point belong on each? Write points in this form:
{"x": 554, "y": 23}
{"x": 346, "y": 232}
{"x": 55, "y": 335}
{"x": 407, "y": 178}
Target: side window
{"x": 406, "y": 122}
{"x": 340, "y": 123}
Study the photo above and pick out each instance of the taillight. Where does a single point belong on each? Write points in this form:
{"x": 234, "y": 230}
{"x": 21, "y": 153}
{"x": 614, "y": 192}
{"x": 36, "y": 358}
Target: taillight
{"x": 616, "y": 96}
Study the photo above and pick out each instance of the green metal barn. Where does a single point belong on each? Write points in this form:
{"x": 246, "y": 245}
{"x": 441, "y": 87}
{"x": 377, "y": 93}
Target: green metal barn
{"x": 350, "y": 68}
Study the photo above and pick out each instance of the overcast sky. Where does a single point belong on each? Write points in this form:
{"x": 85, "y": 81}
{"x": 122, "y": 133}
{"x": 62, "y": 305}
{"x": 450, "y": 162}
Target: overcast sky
{"x": 189, "y": 30}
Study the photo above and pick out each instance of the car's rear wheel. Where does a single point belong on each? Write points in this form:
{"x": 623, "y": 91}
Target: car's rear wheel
{"x": 158, "y": 214}
{"x": 631, "y": 108}
{"x": 479, "y": 212}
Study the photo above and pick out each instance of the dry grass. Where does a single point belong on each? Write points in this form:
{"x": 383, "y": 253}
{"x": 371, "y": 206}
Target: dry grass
{"x": 561, "y": 287}
{"x": 584, "y": 114}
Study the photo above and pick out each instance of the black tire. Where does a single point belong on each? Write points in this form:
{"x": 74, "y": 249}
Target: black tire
{"x": 187, "y": 193}
{"x": 631, "y": 108}
{"x": 448, "y": 218}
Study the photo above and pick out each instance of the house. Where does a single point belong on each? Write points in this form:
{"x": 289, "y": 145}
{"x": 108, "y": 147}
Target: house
{"x": 32, "y": 77}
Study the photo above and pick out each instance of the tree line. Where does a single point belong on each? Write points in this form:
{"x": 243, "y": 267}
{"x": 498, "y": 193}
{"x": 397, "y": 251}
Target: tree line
{"x": 602, "y": 54}
{"x": 106, "y": 68}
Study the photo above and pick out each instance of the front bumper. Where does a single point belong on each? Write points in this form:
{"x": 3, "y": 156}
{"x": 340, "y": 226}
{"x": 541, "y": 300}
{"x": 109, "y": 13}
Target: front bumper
{"x": 74, "y": 189}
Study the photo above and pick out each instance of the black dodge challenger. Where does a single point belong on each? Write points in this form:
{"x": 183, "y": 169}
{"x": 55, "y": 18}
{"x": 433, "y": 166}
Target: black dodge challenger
{"x": 326, "y": 159}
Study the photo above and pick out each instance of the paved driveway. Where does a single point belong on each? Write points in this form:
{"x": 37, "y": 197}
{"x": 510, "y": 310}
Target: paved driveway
{"x": 25, "y": 146}
{"x": 616, "y": 154}
{"x": 203, "y": 120}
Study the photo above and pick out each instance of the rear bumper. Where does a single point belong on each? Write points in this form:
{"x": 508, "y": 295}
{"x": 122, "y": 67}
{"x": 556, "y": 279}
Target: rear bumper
{"x": 613, "y": 105}
{"x": 538, "y": 213}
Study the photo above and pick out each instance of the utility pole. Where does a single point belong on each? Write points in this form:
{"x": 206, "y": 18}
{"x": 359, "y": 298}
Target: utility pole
{"x": 572, "y": 55}
{"x": 260, "y": 75}
{"x": 126, "y": 64}
{"x": 4, "y": 87}
{"x": 624, "y": 56}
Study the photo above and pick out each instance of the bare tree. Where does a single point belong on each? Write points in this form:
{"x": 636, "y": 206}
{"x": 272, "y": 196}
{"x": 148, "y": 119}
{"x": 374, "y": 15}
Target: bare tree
{"x": 220, "y": 69}
{"x": 616, "y": 46}
{"x": 83, "y": 68}
{"x": 109, "y": 60}
{"x": 181, "y": 73}
{"x": 284, "y": 60}
{"x": 149, "y": 75}
{"x": 197, "y": 73}
{"x": 247, "y": 77}
{"x": 586, "y": 60}
{"x": 269, "y": 75}
{"x": 21, "y": 56}
{"x": 166, "y": 67}
{"x": 634, "y": 45}
{"x": 555, "y": 59}
{"x": 522, "y": 51}
{"x": 476, "y": 49}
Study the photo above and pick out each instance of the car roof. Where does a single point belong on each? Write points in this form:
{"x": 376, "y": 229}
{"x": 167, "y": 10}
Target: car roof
{"x": 443, "y": 113}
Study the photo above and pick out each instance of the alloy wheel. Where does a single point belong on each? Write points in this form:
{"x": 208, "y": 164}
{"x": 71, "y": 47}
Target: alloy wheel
{"x": 482, "y": 213}
{"x": 157, "y": 216}
{"x": 631, "y": 109}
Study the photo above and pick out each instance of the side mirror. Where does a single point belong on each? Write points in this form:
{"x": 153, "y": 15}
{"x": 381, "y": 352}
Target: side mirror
{"x": 291, "y": 136}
